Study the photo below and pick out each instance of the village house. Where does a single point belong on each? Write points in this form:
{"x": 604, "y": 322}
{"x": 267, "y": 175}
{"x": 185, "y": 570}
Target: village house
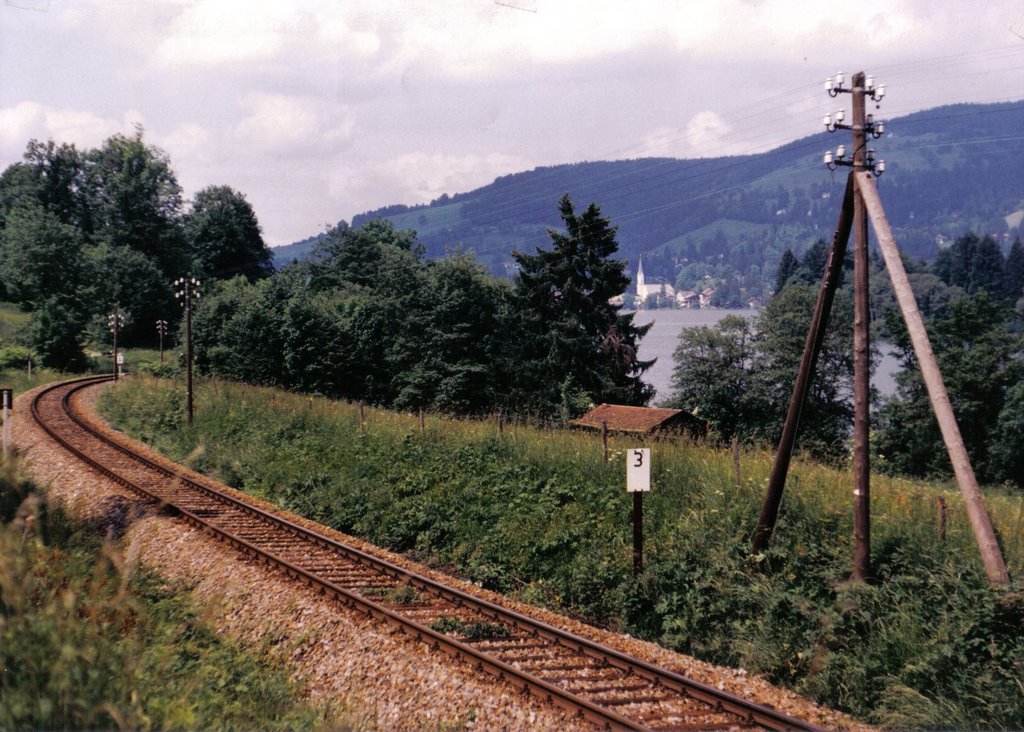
{"x": 688, "y": 299}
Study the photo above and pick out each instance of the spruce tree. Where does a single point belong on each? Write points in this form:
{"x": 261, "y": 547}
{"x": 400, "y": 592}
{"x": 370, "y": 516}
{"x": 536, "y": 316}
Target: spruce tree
{"x": 577, "y": 348}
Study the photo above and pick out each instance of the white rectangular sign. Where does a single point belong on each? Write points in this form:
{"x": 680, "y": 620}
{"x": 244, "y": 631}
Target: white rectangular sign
{"x": 120, "y": 358}
{"x": 638, "y": 469}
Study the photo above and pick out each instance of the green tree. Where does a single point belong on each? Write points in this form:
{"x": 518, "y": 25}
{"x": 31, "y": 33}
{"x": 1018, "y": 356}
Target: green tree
{"x": 317, "y": 343}
{"x": 237, "y": 330}
{"x": 577, "y": 348}
{"x": 780, "y": 333}
{"x": 1015, "y": 271}
{"x": 812, "y": 266}
{"x": 979, "y": 360}
{"x": 225, "y": 236}
{"x": 788, "y": 266}
{"x": 135, "y": 201}
{"x": 467, "y": 335}
{"x": 1007, "y": 444}
{"x": 50, "y": 176}
{"x": 40, "y": 257}
{"x": 54, "y": 334}
{"x": 972, "y": 263}
{"x": 712, "y": 378}
{"x": 135, "y": 284}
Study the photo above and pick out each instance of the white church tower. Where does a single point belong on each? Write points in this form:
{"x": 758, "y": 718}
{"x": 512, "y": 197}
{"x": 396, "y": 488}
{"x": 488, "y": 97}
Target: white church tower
{"x": 641, "y": 286}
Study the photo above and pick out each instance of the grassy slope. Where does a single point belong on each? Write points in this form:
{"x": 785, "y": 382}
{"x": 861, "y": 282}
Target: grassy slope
{"x": 12, "y": 319}
{"x": 540, "y": 515}
{"x": 83, "y": 646}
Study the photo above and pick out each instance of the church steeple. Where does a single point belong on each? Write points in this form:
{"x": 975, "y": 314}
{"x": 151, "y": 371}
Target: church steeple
{"x": 639, "y": 274}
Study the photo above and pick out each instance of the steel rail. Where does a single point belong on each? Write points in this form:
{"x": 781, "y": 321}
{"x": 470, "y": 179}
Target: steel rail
{"x": 749, "y": 711}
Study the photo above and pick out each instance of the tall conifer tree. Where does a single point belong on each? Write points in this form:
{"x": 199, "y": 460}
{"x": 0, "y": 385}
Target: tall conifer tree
{"x": 579, "y": 348}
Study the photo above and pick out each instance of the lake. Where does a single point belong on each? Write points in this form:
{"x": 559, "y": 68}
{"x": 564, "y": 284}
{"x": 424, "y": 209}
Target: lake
{"x": 660, "y": 342}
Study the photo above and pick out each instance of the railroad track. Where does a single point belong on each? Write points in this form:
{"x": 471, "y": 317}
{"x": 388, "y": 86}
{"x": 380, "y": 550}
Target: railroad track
{"x": 603, "y": 685}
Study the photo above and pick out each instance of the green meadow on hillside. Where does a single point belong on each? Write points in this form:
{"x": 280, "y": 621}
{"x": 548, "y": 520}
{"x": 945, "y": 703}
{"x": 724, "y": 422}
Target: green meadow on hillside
{"x": 539, "y": 515}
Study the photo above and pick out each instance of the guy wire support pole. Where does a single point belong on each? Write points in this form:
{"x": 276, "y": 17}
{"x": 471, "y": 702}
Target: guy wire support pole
{"x": 808, "y": 362}
{"x": 991, "y": 555}
{"x": 861, "y": 346}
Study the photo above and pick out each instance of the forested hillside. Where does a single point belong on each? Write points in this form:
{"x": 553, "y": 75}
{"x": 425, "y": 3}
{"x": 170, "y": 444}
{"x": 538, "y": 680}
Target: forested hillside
{"x": 949, "y": 170}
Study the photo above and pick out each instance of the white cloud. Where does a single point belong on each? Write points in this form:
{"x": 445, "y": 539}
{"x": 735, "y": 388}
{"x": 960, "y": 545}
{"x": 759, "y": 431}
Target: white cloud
{"x": 283, "y": 123}
{"x": 185, "y": 142}
{"x": 704, "y": 132}
{"x": 210, "y": 32}
{"x": 318, "y": 109}
{"x": 416, "y": 177}
{"x": 19, "y": 123}
{"x": 26, "y": 120}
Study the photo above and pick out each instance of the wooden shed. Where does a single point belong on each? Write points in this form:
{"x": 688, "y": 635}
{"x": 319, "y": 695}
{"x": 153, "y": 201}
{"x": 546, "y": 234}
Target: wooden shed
{"x": 643, "y": 420}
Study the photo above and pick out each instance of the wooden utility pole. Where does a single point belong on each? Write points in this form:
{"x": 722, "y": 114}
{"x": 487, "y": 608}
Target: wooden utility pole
{"x": 115, "y": 321}
{"x": 861, "y": 352}
{"x": 161, "y": 329}
{"x": 860, "y": 203}
{"x": 189, "y": 289}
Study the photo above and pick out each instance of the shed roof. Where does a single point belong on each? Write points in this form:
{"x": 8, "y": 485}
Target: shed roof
{"x": 629, "y": 419}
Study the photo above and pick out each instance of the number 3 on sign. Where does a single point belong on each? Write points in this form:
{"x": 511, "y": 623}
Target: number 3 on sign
{"x": 638, "y": 469}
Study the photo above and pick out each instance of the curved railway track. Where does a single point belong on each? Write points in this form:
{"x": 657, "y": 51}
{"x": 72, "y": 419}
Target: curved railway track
{"x": 603, "y": 685}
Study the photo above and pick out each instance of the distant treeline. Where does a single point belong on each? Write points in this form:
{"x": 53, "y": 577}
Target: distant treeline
{"x": 370, "y": 318}
{"x": 85, "y": 233}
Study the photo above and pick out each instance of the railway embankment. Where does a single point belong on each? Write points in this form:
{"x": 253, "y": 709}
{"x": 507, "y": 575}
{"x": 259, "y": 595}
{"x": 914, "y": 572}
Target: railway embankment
{"x": 538, "y": 515}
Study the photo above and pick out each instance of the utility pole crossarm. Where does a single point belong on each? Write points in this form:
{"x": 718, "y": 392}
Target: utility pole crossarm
{"x": 991, "y": 555}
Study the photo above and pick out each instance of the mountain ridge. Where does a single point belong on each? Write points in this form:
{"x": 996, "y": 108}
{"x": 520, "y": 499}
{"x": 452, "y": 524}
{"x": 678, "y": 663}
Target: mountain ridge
{"x": 950, "y": 169}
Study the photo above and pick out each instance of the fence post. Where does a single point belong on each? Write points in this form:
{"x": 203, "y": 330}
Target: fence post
{"x": 940, "y": 519}
{"x": 736, "y": 458}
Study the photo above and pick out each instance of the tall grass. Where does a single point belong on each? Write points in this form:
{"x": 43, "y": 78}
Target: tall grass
{"x": 85, "y": 646}
{"x": 541, "y": 515}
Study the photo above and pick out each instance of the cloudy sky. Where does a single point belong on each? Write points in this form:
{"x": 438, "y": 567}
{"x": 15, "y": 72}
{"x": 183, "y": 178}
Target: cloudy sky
{"x": 321, "y": 109}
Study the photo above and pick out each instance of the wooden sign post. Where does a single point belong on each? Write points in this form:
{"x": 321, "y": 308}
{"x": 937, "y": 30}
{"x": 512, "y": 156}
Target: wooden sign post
{"x": 638, "y": 482}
